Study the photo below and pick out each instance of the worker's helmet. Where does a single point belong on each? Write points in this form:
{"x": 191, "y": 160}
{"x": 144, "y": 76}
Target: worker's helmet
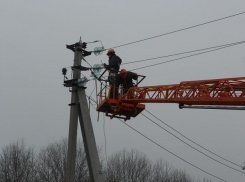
{"x": 123, "y": 73}
{"x": 110, "y": 51}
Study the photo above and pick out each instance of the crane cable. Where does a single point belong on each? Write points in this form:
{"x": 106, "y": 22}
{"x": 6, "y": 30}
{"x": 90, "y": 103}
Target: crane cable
{"x": 190, "y": 145}
{"x": 224, "y": 45}
{"x": 191, "y": 140}
{"x": 172, "y": 152}
{"x": 194, "y": 26}
{"x": 187, "y": 56}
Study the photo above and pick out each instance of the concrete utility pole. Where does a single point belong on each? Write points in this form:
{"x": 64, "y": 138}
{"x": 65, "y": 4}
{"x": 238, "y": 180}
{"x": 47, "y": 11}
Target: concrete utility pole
{"x": 79, "y": 107}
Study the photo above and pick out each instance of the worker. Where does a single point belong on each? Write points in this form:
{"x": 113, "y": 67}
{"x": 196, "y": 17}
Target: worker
{"x": 126, "y": 79}
{"x": 114, "y": 66}
{"x": 114, "y": 60}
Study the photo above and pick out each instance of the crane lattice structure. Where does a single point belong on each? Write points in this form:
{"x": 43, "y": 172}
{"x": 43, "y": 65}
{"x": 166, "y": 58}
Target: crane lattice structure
{"x": 226, "y": 93}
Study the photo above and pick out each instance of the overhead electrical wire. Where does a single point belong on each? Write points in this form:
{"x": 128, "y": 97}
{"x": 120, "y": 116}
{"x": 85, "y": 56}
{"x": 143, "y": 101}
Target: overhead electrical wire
{"x": 186, "y": 56}
{"x": 194, "y": 26}
{"x": 197, "y": 50}
{"x": 190, "y": 145}
{"x": 191, "y": 140}
{"x": 173, "y": 153}
{"x": 170, "y": 151}
{"x": 178, "y": 156}
{"x": 220, "y": 47}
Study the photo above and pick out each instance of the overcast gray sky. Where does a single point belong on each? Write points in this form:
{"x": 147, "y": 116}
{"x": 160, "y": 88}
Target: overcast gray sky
{"x": 34, "y": 103}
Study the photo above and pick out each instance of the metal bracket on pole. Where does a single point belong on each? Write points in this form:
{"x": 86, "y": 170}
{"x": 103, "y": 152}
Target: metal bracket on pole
{"x": 72, "y": 104}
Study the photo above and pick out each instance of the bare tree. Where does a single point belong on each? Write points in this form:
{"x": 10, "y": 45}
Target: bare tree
{"x": 180, "y": 176}
{"x": 128, "y": 166}
{"x": 164, "y": 172}
{"x": 17, "y": 163}
{"x": 161, "y": 171}
{"x": 52, "y": 163}
{"x": 81, "y": 171}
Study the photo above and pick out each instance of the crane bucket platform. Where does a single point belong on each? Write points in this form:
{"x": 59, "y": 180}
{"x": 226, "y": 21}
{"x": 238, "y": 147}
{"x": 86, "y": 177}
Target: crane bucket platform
{"x": 110, "y": 100}
{"x": 205, "y": 94}
{"x": 112, "y": 108}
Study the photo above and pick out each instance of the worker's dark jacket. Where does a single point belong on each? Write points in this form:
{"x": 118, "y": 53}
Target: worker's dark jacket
{"x": 114, "y": 66}
{"x": 127, "y": 82}
{"x": 114, "y": 62}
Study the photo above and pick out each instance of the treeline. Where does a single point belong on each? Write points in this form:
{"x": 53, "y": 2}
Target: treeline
{"x": 21, "y": 164}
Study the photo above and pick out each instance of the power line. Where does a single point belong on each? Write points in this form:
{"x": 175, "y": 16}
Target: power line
{"x": 190, "y": 145}
{"x": 224, "y": 45}
{"x": 188, "y": 56}
{"x": 194, "y": 26}
{"x": 175, "y": 154}
{"x": 172, "y": 152}
{"x": 191, "y": 140}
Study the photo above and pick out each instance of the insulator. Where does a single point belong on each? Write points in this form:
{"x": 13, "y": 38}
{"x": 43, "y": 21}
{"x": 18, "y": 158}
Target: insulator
{"x": 98, "y": 51}
{"x": 97, "y": 68}
{"x": 81, "y": 82}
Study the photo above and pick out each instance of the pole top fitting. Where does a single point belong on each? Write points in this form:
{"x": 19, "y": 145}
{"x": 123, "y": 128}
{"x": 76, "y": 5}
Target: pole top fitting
{"x": 80, "y": 41}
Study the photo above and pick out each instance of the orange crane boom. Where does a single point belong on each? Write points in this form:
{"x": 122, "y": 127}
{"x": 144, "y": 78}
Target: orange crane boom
{"x": 227, "y": 91}
{"x": 216, "y": 92}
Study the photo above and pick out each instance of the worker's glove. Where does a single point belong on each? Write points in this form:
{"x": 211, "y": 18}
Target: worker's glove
{"x": 106, "y": 66}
